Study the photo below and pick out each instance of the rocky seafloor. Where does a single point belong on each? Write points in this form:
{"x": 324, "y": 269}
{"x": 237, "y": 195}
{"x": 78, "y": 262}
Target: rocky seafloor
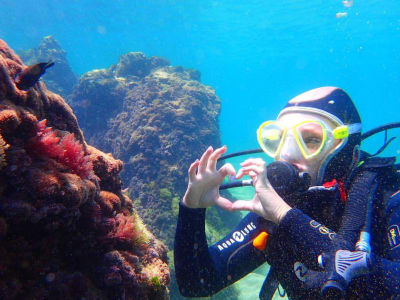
{"x": 67, "y": 230}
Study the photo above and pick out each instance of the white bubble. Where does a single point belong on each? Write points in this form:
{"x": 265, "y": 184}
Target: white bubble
{"x": 347, "y": 3}
{"x": 341, "y": 15}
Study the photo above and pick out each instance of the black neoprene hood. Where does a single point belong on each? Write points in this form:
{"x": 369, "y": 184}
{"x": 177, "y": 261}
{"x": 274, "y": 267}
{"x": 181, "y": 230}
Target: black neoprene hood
{"x": 337, "y": 103}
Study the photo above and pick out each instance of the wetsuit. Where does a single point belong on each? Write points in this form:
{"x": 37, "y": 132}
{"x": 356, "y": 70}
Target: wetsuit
{"x": 299, "y": 239}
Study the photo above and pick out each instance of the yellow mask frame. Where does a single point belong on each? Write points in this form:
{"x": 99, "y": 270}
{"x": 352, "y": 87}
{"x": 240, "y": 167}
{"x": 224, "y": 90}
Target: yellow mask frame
{"x": 275, "y": 133}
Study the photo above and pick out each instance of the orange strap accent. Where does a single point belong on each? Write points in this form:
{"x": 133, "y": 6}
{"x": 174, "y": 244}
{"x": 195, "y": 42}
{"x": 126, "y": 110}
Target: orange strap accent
{"x": 330, "y": 184}
{"x": 260, "y": 242}
{"x": 342, "y": 189}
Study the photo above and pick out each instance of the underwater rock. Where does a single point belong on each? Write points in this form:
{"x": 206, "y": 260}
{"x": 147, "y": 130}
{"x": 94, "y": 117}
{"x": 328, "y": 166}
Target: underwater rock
{"x": 60, "y": 78}
{"x": 157, "y": 119}
{"x": 136, "y": 64}
{"x": 62, "y": 210}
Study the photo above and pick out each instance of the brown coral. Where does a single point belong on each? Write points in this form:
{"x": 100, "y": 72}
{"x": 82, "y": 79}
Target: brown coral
{"x": 3, "y": 148}
{"x": 9, "y": 120}
{"x": 109, "y": 202}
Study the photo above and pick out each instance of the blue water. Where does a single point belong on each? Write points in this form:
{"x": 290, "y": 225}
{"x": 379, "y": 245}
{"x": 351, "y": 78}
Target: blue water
{"x": 257, "y": 54}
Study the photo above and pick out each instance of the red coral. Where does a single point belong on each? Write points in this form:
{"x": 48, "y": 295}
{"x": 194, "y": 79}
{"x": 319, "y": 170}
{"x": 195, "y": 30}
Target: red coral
{"x": 74, "y": 157}
{"x": 66, "y": 150}
{"x": 124, "y": 231}
{"x": 46, "y": 142}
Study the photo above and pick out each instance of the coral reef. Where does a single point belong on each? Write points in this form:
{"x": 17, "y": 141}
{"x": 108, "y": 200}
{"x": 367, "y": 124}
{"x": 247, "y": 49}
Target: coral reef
{"x": 67, "y": 230}
{"x": 60, "y": 78}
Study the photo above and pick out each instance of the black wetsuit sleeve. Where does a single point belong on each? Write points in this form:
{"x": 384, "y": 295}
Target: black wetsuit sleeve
{"x": 201, "y": 270}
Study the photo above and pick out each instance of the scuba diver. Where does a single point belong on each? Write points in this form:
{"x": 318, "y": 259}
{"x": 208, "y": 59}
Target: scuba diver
{"x": 325, "y": 215}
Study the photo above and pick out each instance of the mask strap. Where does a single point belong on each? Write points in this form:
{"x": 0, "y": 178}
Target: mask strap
{"x": 354, "y": 128}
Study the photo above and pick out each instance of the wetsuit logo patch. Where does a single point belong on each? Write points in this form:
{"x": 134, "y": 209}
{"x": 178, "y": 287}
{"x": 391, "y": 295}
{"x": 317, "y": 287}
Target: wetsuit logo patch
{"x": 394, "y": 236}
{"x": 323, "y": 229}
{"x": 237, "y": 236}
{"x": 300, "y": 270}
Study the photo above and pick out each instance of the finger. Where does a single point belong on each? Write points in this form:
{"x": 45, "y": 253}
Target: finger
{"x": 253, "y": 161}
{"x": 240, "y": 174}
{"x": 204, "y": 159}
{"x": 225, "y": 170}
{"x": 242, "y": 205}
{"x": 224, "y": 203}
{"x": 192, "y": 170}
{"x": 212, "y": 162}
{"x": 252, "y": 174}
{"x": 246, "y": 171}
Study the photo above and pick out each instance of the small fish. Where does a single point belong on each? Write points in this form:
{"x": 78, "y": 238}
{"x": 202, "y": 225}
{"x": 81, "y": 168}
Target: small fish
{"x": 31, "y": 74}
{"x": 341, "y": 15}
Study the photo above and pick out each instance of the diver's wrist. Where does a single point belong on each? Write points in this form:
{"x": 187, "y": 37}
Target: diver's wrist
{"x": 281, "y": 213}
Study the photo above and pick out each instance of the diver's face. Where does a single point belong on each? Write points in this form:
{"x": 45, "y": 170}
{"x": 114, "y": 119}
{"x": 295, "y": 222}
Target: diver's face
{"x": 290, "y": 151}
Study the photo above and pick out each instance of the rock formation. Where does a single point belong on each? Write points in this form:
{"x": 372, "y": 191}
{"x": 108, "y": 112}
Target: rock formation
{"x": 157, "y": 119}
{"x": 67, "y": 230}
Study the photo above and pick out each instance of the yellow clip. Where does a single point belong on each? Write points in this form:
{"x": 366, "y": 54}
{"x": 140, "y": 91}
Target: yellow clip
{"x": 260, "y": 242}
{"x": 341, "y": 132}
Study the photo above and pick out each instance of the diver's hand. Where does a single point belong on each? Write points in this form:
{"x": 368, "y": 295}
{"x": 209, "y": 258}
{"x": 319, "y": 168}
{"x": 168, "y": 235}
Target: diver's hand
{"x": 266, "y": 202}
{"x": 203, "y": 187}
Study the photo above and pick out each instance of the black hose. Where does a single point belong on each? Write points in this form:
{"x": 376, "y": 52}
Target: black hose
{"x": 240, "y": 153}
{"x": 379, "y": 129}
{"x": 236, "y": 183}
{"x": 354, "y": 216}
{"x": 269, "y": 286}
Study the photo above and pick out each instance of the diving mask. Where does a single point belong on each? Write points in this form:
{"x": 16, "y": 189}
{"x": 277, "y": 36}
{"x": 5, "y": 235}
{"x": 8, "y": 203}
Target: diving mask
{"x": 311, "y": 136}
